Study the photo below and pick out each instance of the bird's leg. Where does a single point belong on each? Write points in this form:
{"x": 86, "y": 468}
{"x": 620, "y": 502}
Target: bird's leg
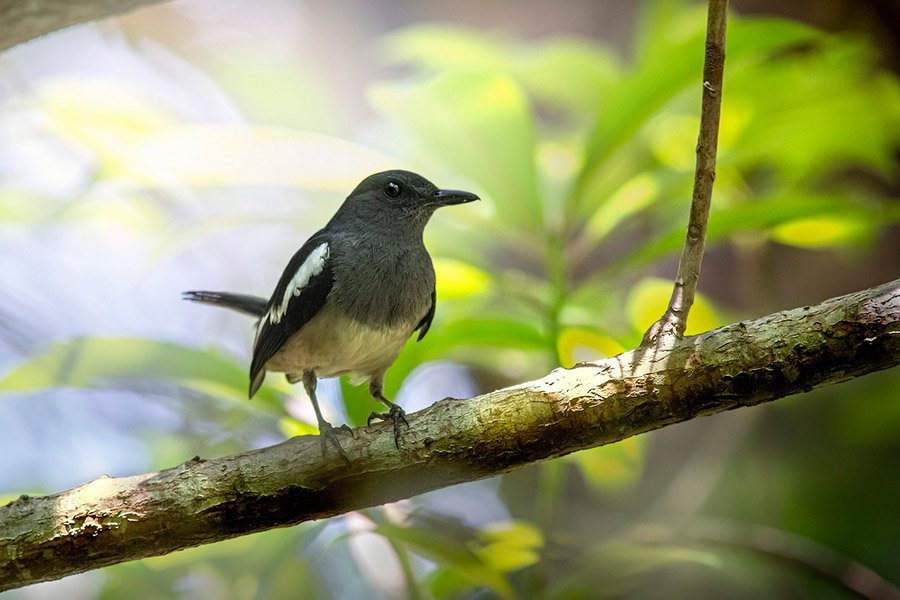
{"x": 326, "y": 431}
{"x": 395, "y": 414}
{"x": 293, "y": 378}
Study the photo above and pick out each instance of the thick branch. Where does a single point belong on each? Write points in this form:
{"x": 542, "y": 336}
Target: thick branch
{"x": 112, "y": 520}
{"x": 23, "y": 20}
{"x": 674, "y": 320}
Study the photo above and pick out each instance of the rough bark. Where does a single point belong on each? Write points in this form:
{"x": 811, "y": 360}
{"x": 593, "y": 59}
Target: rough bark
{"x": 111, "y": 520}
{"x": 23, "y": 20}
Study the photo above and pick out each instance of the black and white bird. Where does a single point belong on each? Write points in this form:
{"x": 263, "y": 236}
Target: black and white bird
{"x": 352, "y": 295}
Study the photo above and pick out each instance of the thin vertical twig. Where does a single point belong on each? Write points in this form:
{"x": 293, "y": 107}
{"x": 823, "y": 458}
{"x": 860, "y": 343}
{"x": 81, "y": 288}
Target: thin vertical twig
{"x": 674, "y": 321}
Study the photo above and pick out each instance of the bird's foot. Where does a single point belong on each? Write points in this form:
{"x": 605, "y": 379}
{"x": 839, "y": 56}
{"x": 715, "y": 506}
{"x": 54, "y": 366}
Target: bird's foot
{"x": 327, "y": 433}
{"x": 395, "y": 415}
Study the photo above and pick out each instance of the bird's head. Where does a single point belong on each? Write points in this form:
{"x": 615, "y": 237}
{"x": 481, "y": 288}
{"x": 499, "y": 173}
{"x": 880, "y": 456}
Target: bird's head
{"x": 399, "y": 194}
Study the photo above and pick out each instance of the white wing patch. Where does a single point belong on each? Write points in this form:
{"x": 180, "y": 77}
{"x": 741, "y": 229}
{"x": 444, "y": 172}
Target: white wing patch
{"x": 311, "y": 267}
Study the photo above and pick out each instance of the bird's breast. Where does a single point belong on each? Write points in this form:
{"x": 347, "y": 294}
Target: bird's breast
{"x": 386, "y": 285}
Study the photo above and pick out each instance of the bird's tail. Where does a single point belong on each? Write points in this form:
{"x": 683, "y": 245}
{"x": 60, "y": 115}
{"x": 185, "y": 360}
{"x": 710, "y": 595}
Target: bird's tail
{"x": 250, "y": 305}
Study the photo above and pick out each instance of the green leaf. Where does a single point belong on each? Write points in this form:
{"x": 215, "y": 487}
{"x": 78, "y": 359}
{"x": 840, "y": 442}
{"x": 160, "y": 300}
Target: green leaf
{"x": 655, "y": 82}
{"x": 492, "y": 331}
{"x": 787, "y": 206}
{"x": 568, "y": 73}
{"x": 437, "y": 46}
{"x": 801, "y": 125}
{"x": 637, "y": 97}
{"x": 634, "y": 196}
{"x": 479, "y": 123}
{"x": 662, "y": 24}
{"x": 447, "y": 582}
{"x": 457, "y": 279}
{"x": 451, "y": 552}
{"x": 91, "y": 362}
{"x": 511, "y": 546}
{"x": 825, "y": 231}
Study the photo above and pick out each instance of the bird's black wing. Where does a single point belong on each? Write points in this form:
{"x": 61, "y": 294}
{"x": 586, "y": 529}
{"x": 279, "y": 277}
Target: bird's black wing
{"x": 299, "y": 295}
{"x": 425, "y": 323}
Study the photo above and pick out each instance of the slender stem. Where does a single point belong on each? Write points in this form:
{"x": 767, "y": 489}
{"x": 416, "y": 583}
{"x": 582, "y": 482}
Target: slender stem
{"x": 412, "y": 582}
{"x": 558, "y": 276}
{"x": 551, "y": 480}
{"x": 674, "y": 320}
{"x": 796, "y": 552}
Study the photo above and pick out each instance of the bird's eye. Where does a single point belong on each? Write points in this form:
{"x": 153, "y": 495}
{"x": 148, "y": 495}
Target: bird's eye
{"x": 392, "y": 190}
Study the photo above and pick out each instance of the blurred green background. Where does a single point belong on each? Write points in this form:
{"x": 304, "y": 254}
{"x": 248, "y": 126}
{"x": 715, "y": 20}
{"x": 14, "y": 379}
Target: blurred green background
{"x": 195, "y": 145}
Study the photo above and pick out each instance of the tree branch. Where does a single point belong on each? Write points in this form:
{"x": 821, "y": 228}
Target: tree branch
{"x": 674, "y": 320}
{"x": 23, "y": 20}
{"x": 111, "y": 520}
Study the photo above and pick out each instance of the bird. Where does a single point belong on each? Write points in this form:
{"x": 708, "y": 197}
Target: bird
{"x": 351, "y": 296}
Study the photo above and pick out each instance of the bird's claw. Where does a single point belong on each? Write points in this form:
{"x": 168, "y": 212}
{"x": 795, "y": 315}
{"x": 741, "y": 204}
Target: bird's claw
{"x": 395, "y": 415}
{"x": 327, "y": 434}
{"x": 348, "y": 429}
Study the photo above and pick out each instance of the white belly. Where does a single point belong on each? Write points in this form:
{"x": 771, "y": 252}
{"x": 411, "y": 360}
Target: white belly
{"x": 332, "y": 344}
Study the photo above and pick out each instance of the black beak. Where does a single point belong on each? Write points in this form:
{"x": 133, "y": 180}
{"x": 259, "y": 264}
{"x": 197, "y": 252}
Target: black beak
{"x": 448, "y": 197}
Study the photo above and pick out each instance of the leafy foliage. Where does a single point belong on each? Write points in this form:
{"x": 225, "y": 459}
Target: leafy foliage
{"x": 586, "y": 162}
